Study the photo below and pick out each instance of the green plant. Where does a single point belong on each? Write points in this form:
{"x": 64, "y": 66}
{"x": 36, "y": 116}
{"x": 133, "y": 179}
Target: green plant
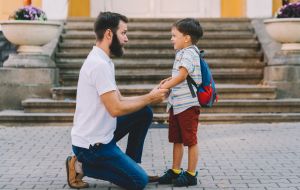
{"x": 29, "y": 13}
{"x": 291, "y": 10}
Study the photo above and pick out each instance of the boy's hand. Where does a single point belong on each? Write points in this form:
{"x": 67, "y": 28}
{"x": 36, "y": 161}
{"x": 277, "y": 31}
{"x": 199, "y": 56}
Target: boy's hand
{"x": 163, "y": 81}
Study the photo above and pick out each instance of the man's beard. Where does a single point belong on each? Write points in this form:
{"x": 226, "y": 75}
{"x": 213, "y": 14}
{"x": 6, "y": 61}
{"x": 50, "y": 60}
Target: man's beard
{"x": 116, "y": 48}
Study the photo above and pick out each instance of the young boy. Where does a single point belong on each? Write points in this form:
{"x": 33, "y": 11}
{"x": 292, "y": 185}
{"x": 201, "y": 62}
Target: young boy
{"x": 182, "y": 107}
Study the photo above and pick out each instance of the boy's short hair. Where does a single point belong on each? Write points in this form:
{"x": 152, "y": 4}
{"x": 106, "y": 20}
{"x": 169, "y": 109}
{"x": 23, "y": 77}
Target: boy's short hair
{"x": 191, "y": 27}
{"x": 107, "y": 20}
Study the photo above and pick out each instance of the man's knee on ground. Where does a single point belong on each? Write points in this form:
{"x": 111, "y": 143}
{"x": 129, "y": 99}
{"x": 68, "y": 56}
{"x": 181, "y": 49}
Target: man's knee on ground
{"x": 139, "y": 182}
{"x": 147, "y": 113}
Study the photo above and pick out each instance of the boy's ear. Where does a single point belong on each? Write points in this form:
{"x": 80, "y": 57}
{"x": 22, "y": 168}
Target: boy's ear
{"x": 187, "y": 38}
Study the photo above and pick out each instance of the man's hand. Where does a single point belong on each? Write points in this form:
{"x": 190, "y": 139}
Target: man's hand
{"x": 158, "y": 95}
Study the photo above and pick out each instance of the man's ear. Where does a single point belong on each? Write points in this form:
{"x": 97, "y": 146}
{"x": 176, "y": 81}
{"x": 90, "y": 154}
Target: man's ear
{"x": 108, "y": 34}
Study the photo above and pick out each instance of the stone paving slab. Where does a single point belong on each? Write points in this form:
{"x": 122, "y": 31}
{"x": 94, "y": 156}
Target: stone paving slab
{"x": 237, "y": 157}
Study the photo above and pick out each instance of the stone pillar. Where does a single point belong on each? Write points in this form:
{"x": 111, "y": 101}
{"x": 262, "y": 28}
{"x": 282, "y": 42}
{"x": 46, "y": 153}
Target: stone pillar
{"x": 283, "y": 67}
{"x": 57, "y": 9}
{"x": 18, "y": 84}
{"x": 26, "y": 76}
{"x": 283, "y": 71}
{"x": 29, "y": 74}
{"x": 26, "y": 2}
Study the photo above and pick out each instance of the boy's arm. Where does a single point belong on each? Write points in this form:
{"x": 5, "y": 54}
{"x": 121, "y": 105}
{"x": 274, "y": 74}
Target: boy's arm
{"x": 165, "y": 80}
{"x": 183, "y": 73}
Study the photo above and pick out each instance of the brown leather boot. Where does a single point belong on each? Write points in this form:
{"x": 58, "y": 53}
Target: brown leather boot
{"x": 79, "y": 178}
{"x": 74, "y": 179}
{"x": 153, "y": 178}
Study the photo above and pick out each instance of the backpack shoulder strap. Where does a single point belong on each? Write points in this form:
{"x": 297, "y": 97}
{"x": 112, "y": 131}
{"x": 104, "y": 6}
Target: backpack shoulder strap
{"x": 191, "y": 82}
{"x": 189, "y": 79}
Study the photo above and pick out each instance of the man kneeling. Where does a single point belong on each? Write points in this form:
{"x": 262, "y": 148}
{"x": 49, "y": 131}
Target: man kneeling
{"x": 103, "y": 116}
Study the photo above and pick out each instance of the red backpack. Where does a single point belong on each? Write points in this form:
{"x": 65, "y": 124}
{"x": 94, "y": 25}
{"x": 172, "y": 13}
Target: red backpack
{"x": 206, "y": 91}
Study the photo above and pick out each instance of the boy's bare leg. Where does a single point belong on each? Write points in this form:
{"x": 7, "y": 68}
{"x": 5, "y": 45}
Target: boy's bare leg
{"x": 177, "y": 155}
{"x": 192, "y": 158}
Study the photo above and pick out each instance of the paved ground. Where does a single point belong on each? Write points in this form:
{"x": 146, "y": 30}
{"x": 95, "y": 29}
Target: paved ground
{"x": 241, "y": 156}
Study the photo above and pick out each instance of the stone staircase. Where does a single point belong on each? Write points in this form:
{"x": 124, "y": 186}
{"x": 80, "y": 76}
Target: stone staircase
{"x": 231, "y": 49}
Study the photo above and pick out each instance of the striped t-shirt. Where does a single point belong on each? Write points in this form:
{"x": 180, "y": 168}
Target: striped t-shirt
{"x": 180, "y": 97}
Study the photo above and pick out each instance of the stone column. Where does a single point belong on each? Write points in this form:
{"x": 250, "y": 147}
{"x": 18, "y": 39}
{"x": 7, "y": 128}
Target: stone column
{"x": 33, "y": 81}
{"x": 283, "y": 71}
{"x": 28, "y": 75}
{"x": 282, "y": 68}
{"x": 26, "y": 2}
{"x": 18, "y": 84}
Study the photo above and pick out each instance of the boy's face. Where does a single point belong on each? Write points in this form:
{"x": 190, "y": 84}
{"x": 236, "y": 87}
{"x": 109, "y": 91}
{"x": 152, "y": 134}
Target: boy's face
{"x": 179, "y": 40}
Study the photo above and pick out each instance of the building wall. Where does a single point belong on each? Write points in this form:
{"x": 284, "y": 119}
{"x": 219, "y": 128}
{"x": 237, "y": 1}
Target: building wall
{"x": 79, "y": 8}
{"x": 233, "y": 8}
{"x": 259, "y": 8}
{"x": 158, "y": 8}
{"x": 61, "y": 9}
{"x": 55, "y": 9}
{"x": 7, "y": 7}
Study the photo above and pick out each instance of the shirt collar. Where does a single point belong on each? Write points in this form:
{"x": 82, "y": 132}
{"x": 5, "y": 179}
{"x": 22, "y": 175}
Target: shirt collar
{"x": 191, "y": 46}
{"x": 100, "y": 52}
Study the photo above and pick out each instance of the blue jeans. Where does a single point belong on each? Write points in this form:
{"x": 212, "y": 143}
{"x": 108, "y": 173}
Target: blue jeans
{"x": 108, "y": 162}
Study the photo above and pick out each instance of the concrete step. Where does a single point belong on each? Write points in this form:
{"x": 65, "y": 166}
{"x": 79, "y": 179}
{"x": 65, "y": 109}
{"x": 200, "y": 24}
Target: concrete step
{"x": 224, "y": 118}
{"x": 163, "y": 35}
{"x": 246, "y": 106}
{"x": 171, "y": 20}
{"x": 19, "y": 118}
{"x": 234, "y": 76}
{"x": 224, "y": 91}
{"x": 159, "y": 72}
{"x": 159, "y": 69}
{"x": 154, "y": 53}
{"x": 161, "y": 44}
{"x": 165, "y": 26}
{"x": 223, "y": 106}
{"x": 165, "y": 20}
{"x": 136, "y": 64}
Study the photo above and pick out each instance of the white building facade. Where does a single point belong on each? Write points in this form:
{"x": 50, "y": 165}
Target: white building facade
{"x": 62, "y": 9}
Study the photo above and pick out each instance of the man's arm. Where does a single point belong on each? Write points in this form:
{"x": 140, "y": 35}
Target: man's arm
{"x": 183, "y": 73}
{"x": 123, "y": 98}
{"x": 118, "y": 107}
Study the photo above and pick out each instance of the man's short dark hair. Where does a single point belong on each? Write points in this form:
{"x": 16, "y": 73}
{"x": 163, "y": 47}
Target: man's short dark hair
{"x": 107, "y": 20}
{"x": 190, "y": 26}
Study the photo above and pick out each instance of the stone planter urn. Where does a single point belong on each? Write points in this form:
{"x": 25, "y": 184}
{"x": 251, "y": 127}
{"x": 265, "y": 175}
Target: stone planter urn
{"x": 30, "y": 36}
{"x": 283, "y": 68}
{"x": 31, "y": 72}
{"x": 285, "y": 31}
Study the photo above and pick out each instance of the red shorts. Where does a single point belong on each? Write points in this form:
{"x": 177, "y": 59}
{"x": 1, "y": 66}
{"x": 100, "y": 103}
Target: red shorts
{"x": 183, "y": 126}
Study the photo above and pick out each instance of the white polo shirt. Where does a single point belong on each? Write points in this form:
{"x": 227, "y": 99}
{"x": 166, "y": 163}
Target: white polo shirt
{"x": 92, "y": 122}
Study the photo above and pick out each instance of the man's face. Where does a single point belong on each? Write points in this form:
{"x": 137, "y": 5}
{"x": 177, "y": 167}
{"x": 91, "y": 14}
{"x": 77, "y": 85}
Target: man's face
{"x": 119, "y": 40}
